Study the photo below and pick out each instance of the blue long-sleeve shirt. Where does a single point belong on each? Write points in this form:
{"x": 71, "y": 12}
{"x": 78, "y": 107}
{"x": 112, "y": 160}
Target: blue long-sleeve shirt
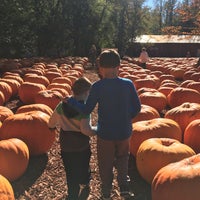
{"x": 118, "y": 103}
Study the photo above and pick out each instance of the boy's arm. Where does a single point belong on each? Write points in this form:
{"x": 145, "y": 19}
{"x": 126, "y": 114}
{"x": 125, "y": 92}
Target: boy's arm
{"x": 84, "y": 108}
{"x": 86, "y": 128}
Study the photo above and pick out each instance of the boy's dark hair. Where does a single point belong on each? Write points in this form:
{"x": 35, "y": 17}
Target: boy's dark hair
{"x": 81, "y": 85}
{"x": 109, "y": 59}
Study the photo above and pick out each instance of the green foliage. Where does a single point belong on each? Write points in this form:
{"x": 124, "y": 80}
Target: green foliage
{"x": 60, "y": 28}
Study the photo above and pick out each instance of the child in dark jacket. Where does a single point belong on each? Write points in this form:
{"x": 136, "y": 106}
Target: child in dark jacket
{"x": 75, "y": 130}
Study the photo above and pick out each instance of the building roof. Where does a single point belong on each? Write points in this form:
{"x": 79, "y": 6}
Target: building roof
{"x": 168, "y": 39}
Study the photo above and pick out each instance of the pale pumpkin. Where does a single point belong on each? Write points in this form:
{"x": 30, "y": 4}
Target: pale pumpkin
{"x": 155, "y": 153}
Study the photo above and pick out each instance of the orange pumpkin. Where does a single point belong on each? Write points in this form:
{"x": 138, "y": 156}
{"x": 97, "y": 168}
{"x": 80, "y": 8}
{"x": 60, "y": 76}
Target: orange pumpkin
{"x": 192, "y": 136}
{"x": 146, "y": 113}
{"x": 178, "y": 181}
{"x": 35, "y": 107}
{"x": 166, "y": 77}
{"x": 64, "y": 86}
{"x": 165, "y": 150}
{"x": 155, "y": 99}
{"x": 165, "y": 90}
{"x": 32, "y": 128}
{"x": 184, "y": 114}
{"x": 33, "y": 78}
{"x": 13, "y": 84}
{"x": 51, "y": 75}
{"x": 181, "y": 95}
{"x": 5, "y": 112}
{"x": 14, "y": 158}
{"x": 6, "y": 90}
{"x": 50, "y": 98}
{"x": 14, "y": 77}
{"x": 62, "y": 91}
{"x": 64, "y": 80}
{"x": 194, "y": 85}
{"x": 158, "y": 127}
{"x": 150, "y": 81}
{"x": 2, "y": 99}
{"x": 28, "y": 91}
{"x": 6, "y": 189}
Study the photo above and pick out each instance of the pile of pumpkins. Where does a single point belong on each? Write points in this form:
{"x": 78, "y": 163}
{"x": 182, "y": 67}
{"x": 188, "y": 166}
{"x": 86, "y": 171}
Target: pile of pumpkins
{"x": 25, "y": 132}
{"x": 165, "y": 139}
{"x": 166, "y": 133}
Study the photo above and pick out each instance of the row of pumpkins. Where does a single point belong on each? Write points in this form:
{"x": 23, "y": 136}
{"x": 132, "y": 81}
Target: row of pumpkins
{"x": 25, "y": 132}
{"x": 166, "y": 133}
{"x": 170, "y": 109}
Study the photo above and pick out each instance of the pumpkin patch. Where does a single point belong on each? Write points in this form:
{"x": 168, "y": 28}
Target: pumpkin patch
{"x": 164, "y": 117}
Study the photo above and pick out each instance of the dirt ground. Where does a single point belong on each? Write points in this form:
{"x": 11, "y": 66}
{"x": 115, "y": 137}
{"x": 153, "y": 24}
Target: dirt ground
{"x": 45, "y": 176}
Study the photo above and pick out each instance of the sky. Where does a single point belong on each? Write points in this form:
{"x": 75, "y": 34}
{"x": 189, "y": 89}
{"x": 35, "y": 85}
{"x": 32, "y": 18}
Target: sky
{"x": 149, "y": 3}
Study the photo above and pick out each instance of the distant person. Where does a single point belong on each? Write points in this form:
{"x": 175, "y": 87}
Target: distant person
{"x": 143, "y": 58}
{"x": 188, "y": 55}
{"x": 118, "y": 103}
{"x": 74, "y": 139}
{"x": 93, "y": 55}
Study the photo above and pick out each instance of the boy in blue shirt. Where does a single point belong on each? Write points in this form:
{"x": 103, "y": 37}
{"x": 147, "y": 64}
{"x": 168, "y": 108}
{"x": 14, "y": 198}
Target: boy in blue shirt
{"x": 118, "y": 104}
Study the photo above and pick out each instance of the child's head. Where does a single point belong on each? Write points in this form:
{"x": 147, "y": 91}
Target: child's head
{"x": 143, "y": 49}
{"x": 81, "y": 86}
{"x": 109, "y": 59}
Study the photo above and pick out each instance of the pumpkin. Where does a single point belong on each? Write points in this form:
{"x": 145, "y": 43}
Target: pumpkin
{"x": 185, "y": 83}
{"x": 33, "y": 78}
{"x": 51, "y": 75}
{"x": 154, "y": 99}
{"x": 38, "y": 72}
{"x": 14, "y": 158}
{"x": 50, "y": 98}
{"x": 146, "y": 113}
{"x": 178, "y": 181}
{"x": 13, "y": 84}
{"x": 184, "y": 114}
{"x": 2, "y": 99}
{"x": 64, "y": 80}
{"x": 32, "y": 128}
{"x": 150, "y": 81}
{"x": 177, "y": 72}
{"x": 158, "y": 127}
{"x": 181, "y": 95}
{"x": 194, "y": 85}
{"x": 28, "y": 91}
{"x": 62, "y": 91}
{"x": 155, "y": 153}
{"x": 14, "y": 77}
{"x": 66, "y": 87}
{"x": 192, "y": 136}
{"x": 5, "y": 112}
{"x": 166, "y": 77}
{"x": 165, "y": 90}
{"x": 6, "y": 90}
{"x": 35, "y": 107}
{"x": 71, "y": 77}
{"x": 6, "y": 189}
